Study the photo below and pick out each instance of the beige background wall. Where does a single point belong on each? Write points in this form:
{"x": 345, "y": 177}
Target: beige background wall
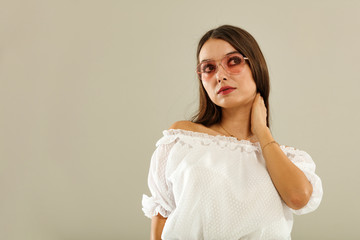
{"x": 86, "y": 88}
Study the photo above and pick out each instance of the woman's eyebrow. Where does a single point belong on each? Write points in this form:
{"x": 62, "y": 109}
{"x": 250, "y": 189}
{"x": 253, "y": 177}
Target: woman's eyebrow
{"x": 231, "y": 53}
{"x": 204, "y": 60}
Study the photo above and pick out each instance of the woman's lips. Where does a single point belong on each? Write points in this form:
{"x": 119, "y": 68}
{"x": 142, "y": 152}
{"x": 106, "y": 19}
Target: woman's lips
{"x": 226, "y": 91}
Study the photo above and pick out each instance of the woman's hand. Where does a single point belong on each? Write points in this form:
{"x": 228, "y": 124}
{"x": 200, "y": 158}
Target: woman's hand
{"x": 258, "y": 115}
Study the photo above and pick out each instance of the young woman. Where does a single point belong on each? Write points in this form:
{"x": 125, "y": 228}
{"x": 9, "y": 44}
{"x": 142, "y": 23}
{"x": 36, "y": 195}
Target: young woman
{"x": 222, "y": 175}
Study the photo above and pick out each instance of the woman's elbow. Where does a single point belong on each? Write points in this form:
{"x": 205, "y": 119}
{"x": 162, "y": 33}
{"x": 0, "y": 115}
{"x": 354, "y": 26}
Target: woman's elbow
{"x": 299, "y": 200}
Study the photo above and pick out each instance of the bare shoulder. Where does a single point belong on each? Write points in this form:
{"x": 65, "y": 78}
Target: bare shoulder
{"x": 186, "y": 125}
{"x": 191, "y": 126}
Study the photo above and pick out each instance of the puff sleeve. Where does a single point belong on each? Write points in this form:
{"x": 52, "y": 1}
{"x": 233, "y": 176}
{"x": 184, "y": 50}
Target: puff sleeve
{"x": 161, "y": 200}
{"x": 305, "y": 163}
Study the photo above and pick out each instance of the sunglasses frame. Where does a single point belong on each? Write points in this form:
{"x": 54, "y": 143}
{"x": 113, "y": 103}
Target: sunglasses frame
{"x": 218, "y": 62}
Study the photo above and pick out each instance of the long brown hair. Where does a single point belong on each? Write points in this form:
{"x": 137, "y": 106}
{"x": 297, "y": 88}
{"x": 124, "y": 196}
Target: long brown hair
{"x": 209, "y": 113}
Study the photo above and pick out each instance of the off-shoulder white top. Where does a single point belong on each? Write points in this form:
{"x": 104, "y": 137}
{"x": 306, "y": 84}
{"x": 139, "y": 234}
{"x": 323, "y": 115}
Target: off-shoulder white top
{"x": 217, "y": 187}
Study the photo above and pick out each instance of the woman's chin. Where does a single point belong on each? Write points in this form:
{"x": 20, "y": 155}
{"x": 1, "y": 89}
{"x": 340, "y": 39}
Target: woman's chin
{"x": 231, "y": 103}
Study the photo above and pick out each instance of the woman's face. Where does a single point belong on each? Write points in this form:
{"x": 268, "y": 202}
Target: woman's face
{"x": 242, "y": 87}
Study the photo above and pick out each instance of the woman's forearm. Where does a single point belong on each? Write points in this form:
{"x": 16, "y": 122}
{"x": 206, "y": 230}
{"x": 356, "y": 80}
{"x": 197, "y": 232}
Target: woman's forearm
{"x": 157, "y": 226}
{"x": 291, "y": 183}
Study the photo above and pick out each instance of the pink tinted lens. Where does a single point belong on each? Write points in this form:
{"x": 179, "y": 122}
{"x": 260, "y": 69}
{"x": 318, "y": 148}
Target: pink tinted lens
{"x": 207, "y": 69}
{"x": 233, "y": 63}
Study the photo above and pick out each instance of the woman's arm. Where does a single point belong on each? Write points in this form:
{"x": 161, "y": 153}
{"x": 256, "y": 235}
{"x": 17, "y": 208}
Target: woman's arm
{"x": 290, "y": 182}
{"x": 157, "y": 225}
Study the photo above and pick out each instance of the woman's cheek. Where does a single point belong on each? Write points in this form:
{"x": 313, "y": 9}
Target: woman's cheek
{"x": 208, "y": 90}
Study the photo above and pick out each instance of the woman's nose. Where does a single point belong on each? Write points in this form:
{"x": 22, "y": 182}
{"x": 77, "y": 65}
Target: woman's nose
{"x": 221, "y": 74}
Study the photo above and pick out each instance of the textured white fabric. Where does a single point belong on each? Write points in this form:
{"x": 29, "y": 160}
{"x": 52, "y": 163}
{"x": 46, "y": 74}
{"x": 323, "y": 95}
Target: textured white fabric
{"x": 216, "y": 187}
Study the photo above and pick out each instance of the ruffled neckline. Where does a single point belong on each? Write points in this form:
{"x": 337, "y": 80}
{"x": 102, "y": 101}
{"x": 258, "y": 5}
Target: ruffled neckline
{"x": 223, "y": 138}
{"x": 226, "y": 140}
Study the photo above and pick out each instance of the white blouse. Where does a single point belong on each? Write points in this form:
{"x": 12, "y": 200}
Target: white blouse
{"x": 217, "y": 187}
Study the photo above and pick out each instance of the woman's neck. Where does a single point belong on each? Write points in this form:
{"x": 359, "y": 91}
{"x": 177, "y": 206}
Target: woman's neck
{"x": 236, "y": 122}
